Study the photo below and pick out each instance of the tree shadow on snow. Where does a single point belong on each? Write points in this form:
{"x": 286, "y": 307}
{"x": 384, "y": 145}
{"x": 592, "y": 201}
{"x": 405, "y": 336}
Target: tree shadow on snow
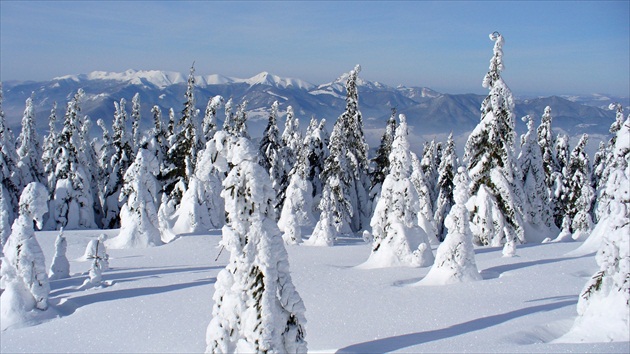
{"x": 496, "y": 271}
{"x": 407, "y": 340}
{"x": 69, "y": 306}
{"x": 116, "y": 275}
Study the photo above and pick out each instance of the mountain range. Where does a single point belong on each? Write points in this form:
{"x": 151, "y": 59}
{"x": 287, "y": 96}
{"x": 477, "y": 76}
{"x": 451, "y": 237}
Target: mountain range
{"x": 429, "y": 113}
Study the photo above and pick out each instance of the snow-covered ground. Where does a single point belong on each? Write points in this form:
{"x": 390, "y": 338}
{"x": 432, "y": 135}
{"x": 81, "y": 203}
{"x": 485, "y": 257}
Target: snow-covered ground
{"x": 160, "y": 300}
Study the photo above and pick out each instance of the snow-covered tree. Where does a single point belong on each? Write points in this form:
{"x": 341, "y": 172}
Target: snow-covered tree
{"x": 580, "y": 192}
{"x": 138, "y": 216}
{"x": 315, "y": 148}
{"x": 546, "y": 141}
{"x": 446, "y": 173}
{"x": 489, "y": 154}
{"x": 272, "y": 151}
{"x": 425, "y": 214}
{"x": 23, "y": 273}
{"x": 209, "y": 123}
{"x": 455, "y": 257}
{"x": 292, "y": 142}
{"x": 535, "y": 206}
{"x": 116, "y": 166}
{"x": 9, "y": 175}
{"x": 559, "y": 191}
{"x": 346, "y": 168}
{"x": 96, "y": 253}
{"x": 202, "y": 207}
{"x": 136, "y": 117}
{"x": 380, "y": 163}
{"x": 397, "y": 237}
{"x": 429, "y": 165}
{"x": 60, "y": 267}
{"x": 29, "y": 150}
{"x": 297, "y": 210}
{"x": 256, "y": 305}
{"x": 73, "y": 205}
{"x": 603, "y": 307}
{"x": 239, "y": 120}
{"x": 49, "y": 147}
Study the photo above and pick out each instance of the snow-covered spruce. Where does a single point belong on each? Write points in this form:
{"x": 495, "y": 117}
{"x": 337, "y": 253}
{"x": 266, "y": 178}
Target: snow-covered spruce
{"x": 603, "y": 307}
{"x": 9, "y": 175}
{"x": 397, "y": 238}
{"x": 138, "y": 217}
{"x": 257, "y": 308}
{"x": 315, "y": 147}
{"x": 580, "y": 193}
{"x": 455, "y": 257}
{"x": 489, "y": 153}
{"x": 202, "y": 207}
{"x": 272, "y": 152}
{"x": 60, "y": 267}
{"x": 29, "y": 150}
{"x": 379, "y": 165}
{"x": 298, "y": 204}
{"x": 446, "y": 173}
{"x": 96, "y": 249}
{"x": 535, "y": 206}
{"x": 23, "y": 273}
{"x": 425, "y": 214}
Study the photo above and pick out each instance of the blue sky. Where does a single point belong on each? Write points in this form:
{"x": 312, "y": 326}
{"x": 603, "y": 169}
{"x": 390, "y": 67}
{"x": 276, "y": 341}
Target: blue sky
{"x": 564, "y": 47}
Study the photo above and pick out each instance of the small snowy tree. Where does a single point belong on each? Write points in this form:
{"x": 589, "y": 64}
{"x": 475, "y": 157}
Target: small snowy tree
{"x": 138, "y": 217}
{"x": 23, "y": 270}
{"x": 28, "y": 150}
{"x": 209, "y": 123}
{"x": 455, "y": 257}
{"x": 397, "y": 238}
{"x": 489, "y": 153}
{"x": 536, "y": 209}
{"x": 298, "y": 204}
{"x": 604, "y": 304}
{"x": 60, "y": 267}
{"x": 446, "y": 173}
{"x": 256, "y": 306}
{"x": 380, "y": 163}
{"x": 425, "y": 215}
{"x": 316, "y": 150}
{"x": 580, "y": 192}
{"x": 96, "y": 253}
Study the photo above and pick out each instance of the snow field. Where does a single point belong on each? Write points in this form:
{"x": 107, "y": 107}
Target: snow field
{"x": 160, "y": 300}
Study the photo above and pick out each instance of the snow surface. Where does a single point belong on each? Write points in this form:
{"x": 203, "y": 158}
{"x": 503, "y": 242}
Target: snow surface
{"x": 160, "y": 300}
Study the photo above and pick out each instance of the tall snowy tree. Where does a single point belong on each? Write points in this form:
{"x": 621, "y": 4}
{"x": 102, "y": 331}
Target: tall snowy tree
{"x": 397, "y": 237}
{"x": 380, "y": 163}
{"x": 73, "y": 205}
{"x": 535, "y": 206}
{"x": 455, "y": 257}
{"x": 138, "y": 216}
{"x": 28, "y": 149}
{"x": 271, "y": 150}
{"x": 489, "y": 154}
{"x": 605, "y": 298}
{"x": 560, "y": 188}
{"x": 209, "y": 123}
{"x": 116, "y": 166}
{"x": 49, "y": 147}
{"x": 23, "y": 273}
{"x": 315, "y": 148}
{"x": 136, "y": 117}
{"x": 345, "y": 170}
{"x": 292, "y": 142}
{"x": 429, "y": 165}
{"x": 425, "y": 214}
{"x": 256, "y": 306}
{"x": 580, "y": 192}
{"x": 446, "y": 174}
{"x": 8, "y": 163}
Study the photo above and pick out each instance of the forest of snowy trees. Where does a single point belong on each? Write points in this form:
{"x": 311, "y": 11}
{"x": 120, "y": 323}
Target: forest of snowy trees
{"x": 188, "y": 174}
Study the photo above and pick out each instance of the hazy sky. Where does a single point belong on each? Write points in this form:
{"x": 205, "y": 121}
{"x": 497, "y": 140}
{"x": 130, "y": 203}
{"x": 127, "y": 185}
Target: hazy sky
{"x": 562, "y": 47}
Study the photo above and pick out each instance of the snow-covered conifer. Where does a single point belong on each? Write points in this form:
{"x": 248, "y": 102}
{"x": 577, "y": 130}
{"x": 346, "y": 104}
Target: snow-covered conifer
{"x": 315, "y": 148}
{"x": 446, "y": 173}
{"x": 397, "y": 237}
{"x": 96, "y": 253}
{"x": 425, "y": 215}
{"x": 49, "y": 147}
{"x": 73, "y": 204}
{"x": 560, "y": 178}
{"x": 546, "y": 141}
{"x": 28, "y": 149}
{"x": 135, "y": 123}
{"x": 536, "y": 209}
{"x": 580, "y": 192}
{"x": 298, "y": 205}
{"x": 23, "y": 273}
{"x": 202, "y": 207}
{"x": 292, "y": 142}
{"x": 9, "y": 175}
{"x": 380, "y": 163}
{"x": 228, "y": 123}
{"x": 256, "y": 305}
{"x": 455, "y": 257}
{"x": 346, "y": 168}
{"x": 240, "y": 121}
{"x": 603, "y": 307}
{"x": 271, "y": 150}
{"x": 138, "y": 216}
{"x": 429, "y": 165}
{"x": 490, "y": 157}
{"x": 60, "y": 267}
{"x": 209, "y": 123}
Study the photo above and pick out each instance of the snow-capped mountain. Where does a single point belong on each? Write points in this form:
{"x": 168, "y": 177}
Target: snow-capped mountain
{"x": 429, "y": 113}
